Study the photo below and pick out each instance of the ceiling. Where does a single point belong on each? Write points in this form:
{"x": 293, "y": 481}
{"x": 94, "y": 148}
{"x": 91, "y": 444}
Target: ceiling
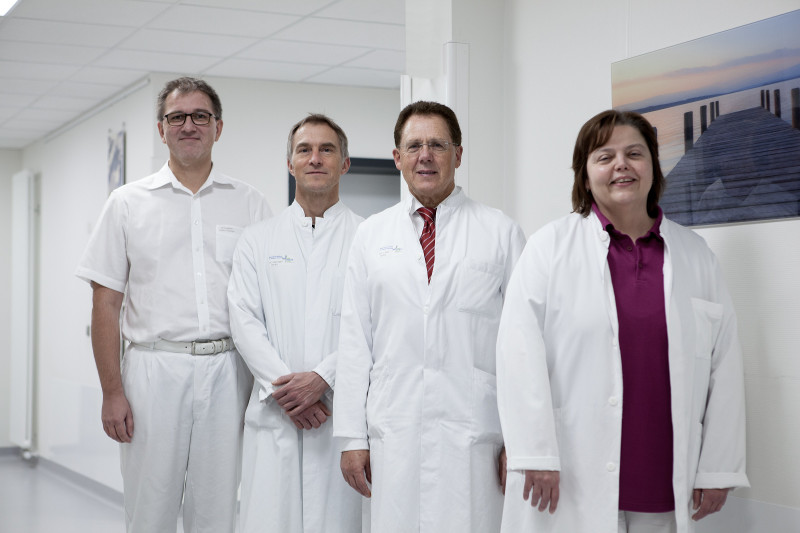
{"x": 60, "y": 59}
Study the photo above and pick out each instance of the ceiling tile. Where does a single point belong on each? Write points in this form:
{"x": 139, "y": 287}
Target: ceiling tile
{"x": 62, "y": 103}
{"x": 371, "y": 35}
{"x": 296, "y": 52}
{"x": 23, "y": 86}
{"x": 51, "y": 116}
{"x": 222, "y": 21}
{"x": 156, "y": 61}
{"x": 7, "y": 112}
{"x": 23, "y": 124}
{"x": 118, "y": 77}
{"x": 94, "y": 91}
{"x": 381, "y": 60}
{"x": 305, "y": 7}
{"x": 183, "y": 42}
{"x": 35, "y": 71}
{"x": 264, "y": 70}
{"x": 17, "y": 99}
{"x": 358, "y": 77}
{"x": 48, "y": 53}
{"x": 387, "y": 11}
{"x": 41, "y": 31}
{"x": 109, "y": 12}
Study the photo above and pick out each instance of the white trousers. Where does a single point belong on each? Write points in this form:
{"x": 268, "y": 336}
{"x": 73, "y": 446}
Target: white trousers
{"x": 187, "y": 417}
{"x": 630, "y": 522}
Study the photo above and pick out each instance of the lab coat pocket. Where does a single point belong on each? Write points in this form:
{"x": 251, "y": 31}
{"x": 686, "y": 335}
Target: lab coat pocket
{"x": 707, "y": 322}
{"x": 484, "y": 407}
{"x": 227, "y": 237}
{"x": 479, "y": 288}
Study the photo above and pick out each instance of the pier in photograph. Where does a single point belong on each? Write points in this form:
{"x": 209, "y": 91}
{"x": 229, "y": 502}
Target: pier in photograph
{"x": 744, "y": 166}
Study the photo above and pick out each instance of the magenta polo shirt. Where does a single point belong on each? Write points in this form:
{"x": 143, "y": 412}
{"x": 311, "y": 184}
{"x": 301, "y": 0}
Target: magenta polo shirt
{"x": 637, "y": 273}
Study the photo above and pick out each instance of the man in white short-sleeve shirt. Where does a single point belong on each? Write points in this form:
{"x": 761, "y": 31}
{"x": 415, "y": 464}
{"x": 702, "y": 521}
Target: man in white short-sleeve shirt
{"x": 175, "y": 402}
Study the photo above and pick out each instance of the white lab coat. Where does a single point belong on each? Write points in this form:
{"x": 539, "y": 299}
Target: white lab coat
{"x": 285, "y": 302}
{"x": 560, "y": 376}
{"x": 416, "y": 373}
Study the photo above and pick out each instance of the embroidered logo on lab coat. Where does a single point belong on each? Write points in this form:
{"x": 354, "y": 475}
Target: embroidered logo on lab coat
{"x": 280, "y": 259}
{"x": 392, "y": 249}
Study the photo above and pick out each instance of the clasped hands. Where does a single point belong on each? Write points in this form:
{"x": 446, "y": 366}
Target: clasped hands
{"x": 299, "y": 396}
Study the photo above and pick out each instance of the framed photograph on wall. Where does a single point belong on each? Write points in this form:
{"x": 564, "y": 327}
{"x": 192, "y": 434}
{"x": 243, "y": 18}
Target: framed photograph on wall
{"x": 726, "y": 109}
{"x": 116, "y": 159}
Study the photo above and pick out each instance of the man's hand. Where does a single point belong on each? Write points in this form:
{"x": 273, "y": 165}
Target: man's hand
{"x": 313, "y": 417}
{"x": 707, "y": 501}
{"x": 502, "y": 464}
{"x": 117, "y": 417}
{"x": 542, "y": 486}
{"x": 299, "y": 391}
{"x": 356, "y": 471}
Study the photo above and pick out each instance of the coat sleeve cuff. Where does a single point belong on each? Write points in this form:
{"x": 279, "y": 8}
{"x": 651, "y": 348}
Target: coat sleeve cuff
{"x": 349, "y": 445}
{"x": 534, "y": 463}
{"x": 720, "y": 480}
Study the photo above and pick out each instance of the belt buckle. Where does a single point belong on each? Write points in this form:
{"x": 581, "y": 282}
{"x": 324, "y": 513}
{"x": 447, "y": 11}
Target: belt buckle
{"x": 202, "y": 348}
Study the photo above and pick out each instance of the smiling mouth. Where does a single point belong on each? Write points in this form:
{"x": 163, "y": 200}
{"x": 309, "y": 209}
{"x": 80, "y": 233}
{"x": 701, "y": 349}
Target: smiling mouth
{"x": 623, "y": 180}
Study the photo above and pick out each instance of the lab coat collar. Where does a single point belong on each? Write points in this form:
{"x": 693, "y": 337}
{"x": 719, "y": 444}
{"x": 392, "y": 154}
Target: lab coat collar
{"x": 332, "y": 212}
{"x": 453, "y": 201}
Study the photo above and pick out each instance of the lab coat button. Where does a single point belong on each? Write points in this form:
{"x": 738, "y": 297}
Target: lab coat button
{"x": 425, "y": 309}
{"x": 611, "y": 467}
{"x": 613, "y": 401}
{"x": 614, "y": 343}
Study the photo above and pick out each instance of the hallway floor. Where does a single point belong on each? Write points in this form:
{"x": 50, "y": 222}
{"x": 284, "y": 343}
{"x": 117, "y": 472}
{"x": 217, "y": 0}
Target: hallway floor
{"x": 37, "y": 499}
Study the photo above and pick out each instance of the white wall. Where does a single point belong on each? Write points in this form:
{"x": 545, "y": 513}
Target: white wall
{"x": 558, "y": 75}
{"x": 257, "y": 117}
{"x": 10, "y": 164}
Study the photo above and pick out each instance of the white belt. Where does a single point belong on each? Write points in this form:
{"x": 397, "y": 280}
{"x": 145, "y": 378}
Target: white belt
{"x": 202, "y": 347}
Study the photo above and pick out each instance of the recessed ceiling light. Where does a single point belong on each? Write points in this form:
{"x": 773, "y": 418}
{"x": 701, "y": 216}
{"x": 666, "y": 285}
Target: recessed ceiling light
{"x": 6, "y": 5}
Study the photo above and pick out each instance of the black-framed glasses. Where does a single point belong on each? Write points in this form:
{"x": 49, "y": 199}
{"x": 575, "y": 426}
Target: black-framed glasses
{"x": 436, "y": 145}
{"x": 199, "y": 118}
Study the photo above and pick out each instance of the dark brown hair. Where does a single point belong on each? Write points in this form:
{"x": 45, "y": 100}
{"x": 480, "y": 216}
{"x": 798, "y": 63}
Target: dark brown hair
{"x": 594, "y": 134}
{"x": 428, "y": 108}
{"x": 186, "y": 86}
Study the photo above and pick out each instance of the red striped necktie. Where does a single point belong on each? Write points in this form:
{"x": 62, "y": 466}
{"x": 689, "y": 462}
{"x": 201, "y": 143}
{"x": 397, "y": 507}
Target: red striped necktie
{"x": 428, "y": 237}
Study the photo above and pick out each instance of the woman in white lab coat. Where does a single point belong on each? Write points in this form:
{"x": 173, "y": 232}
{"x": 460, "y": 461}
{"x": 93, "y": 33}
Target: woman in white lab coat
{"x": 619, "y": 371}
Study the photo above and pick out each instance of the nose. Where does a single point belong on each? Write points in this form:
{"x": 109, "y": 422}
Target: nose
{"x": 315, "y": 157}
{"x": 425, "y": 152}
{"x": 621, "y": 162}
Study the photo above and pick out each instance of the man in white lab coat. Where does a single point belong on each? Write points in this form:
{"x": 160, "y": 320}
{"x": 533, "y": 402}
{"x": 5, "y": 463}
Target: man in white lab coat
{"x": 416, "y": 410}
{"x": 285, "y": 297}
{"x": 163, "y": 244}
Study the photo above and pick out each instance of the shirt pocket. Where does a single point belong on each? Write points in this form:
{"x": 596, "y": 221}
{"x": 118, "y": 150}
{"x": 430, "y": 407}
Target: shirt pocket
{"x": 227, "y": 237}
{"x": 479, "y": 288}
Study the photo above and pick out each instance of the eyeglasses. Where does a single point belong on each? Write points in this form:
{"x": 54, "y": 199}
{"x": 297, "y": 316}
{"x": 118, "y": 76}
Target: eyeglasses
{"x": 199, "y": 118}
{"x": 435, "y": 145}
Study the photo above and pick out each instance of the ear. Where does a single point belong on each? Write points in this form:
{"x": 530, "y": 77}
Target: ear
{"x": 160, "y": 126}
{"x": 345, "y": 166}
{"x": 459, "y": 151}
{"x": 396, "y": 154}
{"x": 291, "y": 168}
{"x": 219, "y": 130}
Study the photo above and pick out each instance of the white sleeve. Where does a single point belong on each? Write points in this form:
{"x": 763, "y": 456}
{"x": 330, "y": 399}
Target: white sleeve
{"x": 354, "y": 355}
{"x": 523, "y": 384}
{"x": 722, "y": 456}
{"x": 105, "y": 259}
{"x": 248, "y": 322}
